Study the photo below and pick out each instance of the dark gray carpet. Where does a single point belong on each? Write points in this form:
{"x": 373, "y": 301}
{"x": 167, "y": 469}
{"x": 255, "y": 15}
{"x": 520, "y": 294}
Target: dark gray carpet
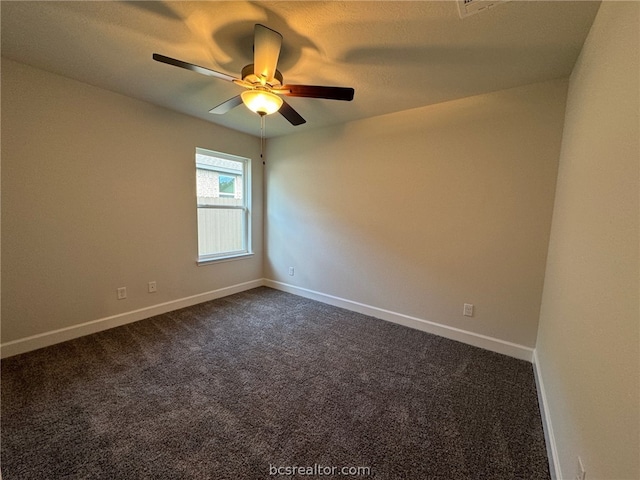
{"x": 233, "y": 388}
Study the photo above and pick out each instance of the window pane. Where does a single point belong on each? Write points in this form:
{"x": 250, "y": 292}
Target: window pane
{"x": 227, "y": 185}
{"x": 217, "y": 188}
{"x": 220, "y": 231}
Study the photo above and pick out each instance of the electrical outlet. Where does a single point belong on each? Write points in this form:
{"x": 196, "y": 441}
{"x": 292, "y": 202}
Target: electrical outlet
{"x": 122, "y": 293}
{"x": 468, "y": 310}
{"x": 292, "y": 271}
{"x": 153, "y": 288}
{"x": 582, "y": 474}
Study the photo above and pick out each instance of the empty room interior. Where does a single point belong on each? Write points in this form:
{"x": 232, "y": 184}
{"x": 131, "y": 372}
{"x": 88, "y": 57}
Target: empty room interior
{"x": 393, "y": 240}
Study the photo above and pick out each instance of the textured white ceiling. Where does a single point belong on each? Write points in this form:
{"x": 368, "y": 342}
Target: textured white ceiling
{"x": 397, "y": 55}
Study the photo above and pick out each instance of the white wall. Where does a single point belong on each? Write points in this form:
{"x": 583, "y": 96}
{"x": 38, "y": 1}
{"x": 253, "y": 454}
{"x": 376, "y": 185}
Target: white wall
{"x": 98, "y": 192}
{"x": 588, "y": 337}
{"x": 420, "y": 211}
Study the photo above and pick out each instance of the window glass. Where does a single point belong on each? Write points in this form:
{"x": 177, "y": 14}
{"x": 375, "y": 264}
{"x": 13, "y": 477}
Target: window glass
{"x": 223, "y": 206}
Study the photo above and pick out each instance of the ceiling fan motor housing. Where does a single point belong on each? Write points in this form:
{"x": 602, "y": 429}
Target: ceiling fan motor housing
{"x": 249, "y": 76}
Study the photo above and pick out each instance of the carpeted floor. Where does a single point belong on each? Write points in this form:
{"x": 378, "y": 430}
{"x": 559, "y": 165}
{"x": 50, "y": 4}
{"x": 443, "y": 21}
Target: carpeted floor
{"x": 245, "y": 386}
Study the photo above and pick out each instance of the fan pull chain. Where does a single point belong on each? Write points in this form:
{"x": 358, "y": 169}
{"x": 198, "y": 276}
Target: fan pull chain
{"x": 262, "y": 135}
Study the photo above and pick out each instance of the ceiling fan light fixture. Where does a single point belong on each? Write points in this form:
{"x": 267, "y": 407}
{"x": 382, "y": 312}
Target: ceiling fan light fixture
{"x": 264, "y": 81}
{"x": 261, "y": 102}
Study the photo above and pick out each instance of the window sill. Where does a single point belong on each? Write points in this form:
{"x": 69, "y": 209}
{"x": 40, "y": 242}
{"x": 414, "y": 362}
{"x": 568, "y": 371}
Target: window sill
{"x": 230, "y": 258}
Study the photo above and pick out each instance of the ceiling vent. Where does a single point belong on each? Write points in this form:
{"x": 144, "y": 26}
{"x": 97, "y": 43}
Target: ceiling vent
{"x": 471, "y": 7}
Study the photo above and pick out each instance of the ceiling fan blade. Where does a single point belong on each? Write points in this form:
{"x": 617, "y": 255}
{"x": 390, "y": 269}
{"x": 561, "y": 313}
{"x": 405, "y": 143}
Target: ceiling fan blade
{"x": 316, "y": 91}
{"x": 194, "y": 68}
{"x": 290, "y": 114}
{"x": 227, "y": 105}
{"x": 266, "y": 50}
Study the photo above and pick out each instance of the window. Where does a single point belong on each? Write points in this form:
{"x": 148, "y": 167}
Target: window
{"x": 222, "y": 187}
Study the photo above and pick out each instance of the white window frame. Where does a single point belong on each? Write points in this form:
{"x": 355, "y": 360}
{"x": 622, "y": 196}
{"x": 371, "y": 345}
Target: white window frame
{"x": 246, "y": 207}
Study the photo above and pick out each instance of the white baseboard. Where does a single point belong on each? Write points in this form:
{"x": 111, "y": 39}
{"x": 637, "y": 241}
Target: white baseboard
{"x": 46, "y": 339}
{"x": 477, "y": 340}
{"x": 550, "y": 441}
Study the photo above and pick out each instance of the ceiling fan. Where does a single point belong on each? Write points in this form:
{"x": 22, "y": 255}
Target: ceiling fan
{"x": 264, "y": 84}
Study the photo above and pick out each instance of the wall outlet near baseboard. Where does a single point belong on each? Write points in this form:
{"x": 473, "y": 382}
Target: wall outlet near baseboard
{"x": 122, "y": 293}
{"x": 153, "y": 287}
{"x": 468, "y": 310}
{"x": 292, "y": 271}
